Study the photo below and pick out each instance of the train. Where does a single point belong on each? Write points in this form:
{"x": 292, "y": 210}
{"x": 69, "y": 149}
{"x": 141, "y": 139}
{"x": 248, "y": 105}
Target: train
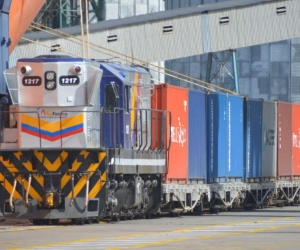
{"x": 85, "y": 140}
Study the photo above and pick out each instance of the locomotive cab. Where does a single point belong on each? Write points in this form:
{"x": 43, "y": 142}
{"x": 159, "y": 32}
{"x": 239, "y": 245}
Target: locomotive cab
{"x": 56, "y": 169}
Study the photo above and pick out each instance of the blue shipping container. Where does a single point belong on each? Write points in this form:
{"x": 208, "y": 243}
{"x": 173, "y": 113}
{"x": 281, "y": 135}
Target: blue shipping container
{"x": 253, "y": 135}
{"x": 225, "y": 138}
{"x": 197, "y": 153}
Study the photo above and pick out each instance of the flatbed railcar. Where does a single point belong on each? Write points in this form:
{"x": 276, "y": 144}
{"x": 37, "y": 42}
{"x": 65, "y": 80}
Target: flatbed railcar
{"x": 90, "y": 139}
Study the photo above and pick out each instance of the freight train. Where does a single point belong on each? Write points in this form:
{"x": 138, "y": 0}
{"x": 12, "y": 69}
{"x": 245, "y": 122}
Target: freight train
{"x": 91, "y": 139}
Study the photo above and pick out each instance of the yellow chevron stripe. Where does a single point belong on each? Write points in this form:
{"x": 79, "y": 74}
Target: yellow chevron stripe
{"x": 28, "y": 166}
{"x": 9, "y": 166}
{"x": 75, "y": 166}
{"x": 98, "y": 186}
{"x": 52, "y": 126}
{"x": 9, "y": 187}
{"x": 67, "y": 176}
{"x": 12, "y": 169}
{"x": 47, "y": 164}
{"x": 81, "y": 183}
{"x": 32, "y": 192}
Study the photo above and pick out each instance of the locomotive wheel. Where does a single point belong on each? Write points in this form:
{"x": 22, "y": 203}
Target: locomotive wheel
{"x": 96, "y": 220}
{"x": 148, "y": 216}
{"x": 79, "y": 221}
{"x": 116, "y": 218}
{"x": 130, "y": 217}
{"x": 89, "y": 221}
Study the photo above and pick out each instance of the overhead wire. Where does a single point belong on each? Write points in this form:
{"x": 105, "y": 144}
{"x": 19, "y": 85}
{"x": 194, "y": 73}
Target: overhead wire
{"x": 129, "y": 59}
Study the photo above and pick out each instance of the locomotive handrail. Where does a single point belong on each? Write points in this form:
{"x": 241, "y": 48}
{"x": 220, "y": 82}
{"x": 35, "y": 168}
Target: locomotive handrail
{"x": 26, "y": 112}
{"x": 115, "y": 139}
{"x": 162, "y": 126}
{"x": 115, "y": 125}
{"x": 144, "y": 109}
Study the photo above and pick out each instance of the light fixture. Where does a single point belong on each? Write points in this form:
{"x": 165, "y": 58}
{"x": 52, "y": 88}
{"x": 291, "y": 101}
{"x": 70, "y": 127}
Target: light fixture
{"x": 26, "y": 70}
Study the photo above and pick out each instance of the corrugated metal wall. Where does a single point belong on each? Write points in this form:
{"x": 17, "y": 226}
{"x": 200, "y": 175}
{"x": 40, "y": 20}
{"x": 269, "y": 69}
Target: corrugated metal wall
{"x": 268, "y": 71}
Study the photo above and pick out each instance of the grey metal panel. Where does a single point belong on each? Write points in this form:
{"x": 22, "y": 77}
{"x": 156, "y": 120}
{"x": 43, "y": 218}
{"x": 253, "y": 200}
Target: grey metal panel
{"x": 251, "y": 22}
{"x": 269, "y": 140}
{"x": 4, "y": 36}
{"x": 205, "y": 33}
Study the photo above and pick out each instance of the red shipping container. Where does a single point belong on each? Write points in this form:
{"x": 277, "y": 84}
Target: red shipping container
{"x": 296, "y": 140}
{"x": 284, "y": 150}
{"x": 175, "y": 100}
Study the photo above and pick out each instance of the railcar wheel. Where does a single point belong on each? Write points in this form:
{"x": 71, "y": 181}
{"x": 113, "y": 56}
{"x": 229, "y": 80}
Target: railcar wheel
{"x": 55, "y": 221}
{"x": 46, "y": 222}
{"x": 36, "y": 222}
{"x": 79, "y": 221}
{"x": 89, "y": 221}
{"x": 130, "y": 217}
{"x": 116, "y": 217}
{"x": 96, "y": 220}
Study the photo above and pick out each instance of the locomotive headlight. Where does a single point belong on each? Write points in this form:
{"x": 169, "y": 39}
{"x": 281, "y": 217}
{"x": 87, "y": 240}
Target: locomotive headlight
{"x": 50, "y": 80}
{"x": 50, "y": 76}
{"x": 50, "y": 85}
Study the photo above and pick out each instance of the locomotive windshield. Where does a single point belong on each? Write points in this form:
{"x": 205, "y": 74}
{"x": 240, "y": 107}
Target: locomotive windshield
{"x": 111, "y": 100}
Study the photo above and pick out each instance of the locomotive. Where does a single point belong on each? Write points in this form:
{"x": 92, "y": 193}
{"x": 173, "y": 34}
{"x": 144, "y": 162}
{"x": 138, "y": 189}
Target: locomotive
{"x": 80, "y": 145}
{"x": 92, "y": 139}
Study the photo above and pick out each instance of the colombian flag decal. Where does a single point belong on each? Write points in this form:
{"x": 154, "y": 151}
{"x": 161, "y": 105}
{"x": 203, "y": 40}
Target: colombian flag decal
{"x": 52, "y": 131}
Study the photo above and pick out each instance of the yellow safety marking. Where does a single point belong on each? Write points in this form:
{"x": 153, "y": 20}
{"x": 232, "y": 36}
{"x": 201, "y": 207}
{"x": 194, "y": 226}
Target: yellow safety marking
{"x": 18, "y": 155}
{"x": 187, "y": 229}
{"x": 212, "y": 236}
{"x": 158, "y": 243}
{"x": 9, "y": 187}
{"x": 47, "y": 164}
{"x": 67, "y": 176}
{"x": 98, "y": 186}
{"x": 28, "y": 166}
{"x": 11, "y": 168}
{"x": 75, "y": 166}
{"x": 32, "y": 192}
{"x": 26, "y": 228}
{"x": 52, "y": 126}
{"x": 84, "y": 153}
{"x": 64, "y": 180}
{"x": 9, "y": 165}
{"x": 80, "y": 184}
{"x": 57, "y": 244}
{"x": 39, "y": 179}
